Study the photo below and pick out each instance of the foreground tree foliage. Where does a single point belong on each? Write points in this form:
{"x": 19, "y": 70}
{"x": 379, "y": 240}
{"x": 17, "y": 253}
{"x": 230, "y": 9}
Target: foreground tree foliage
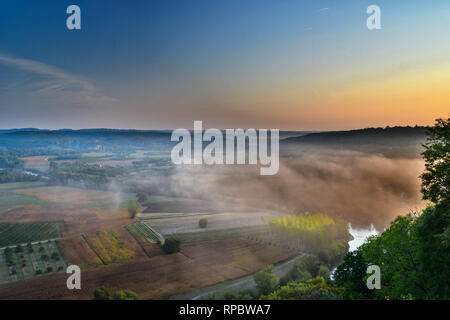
{"x": 125, "y": 295}
{"x": 413, "y": 253}
{"x": 312, "y": 289}
{"x": 436, "y": 178}
{"x": 102, "y": 293}
{"x": 266, "y": 280}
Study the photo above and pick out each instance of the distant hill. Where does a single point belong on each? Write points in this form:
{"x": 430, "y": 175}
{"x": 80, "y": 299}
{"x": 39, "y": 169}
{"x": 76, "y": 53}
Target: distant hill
{"x": 16, "y": 130}
{"x": 396, "y": 141}
{"x": 391, "y": 141}
{"x": 84, "y": 139}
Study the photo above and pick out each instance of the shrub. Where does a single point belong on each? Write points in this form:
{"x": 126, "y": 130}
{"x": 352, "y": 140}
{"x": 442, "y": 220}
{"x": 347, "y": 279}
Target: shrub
{"x": 203, "y": 223}
{"x": 125, "y": 295}
{"x": 102, "y": 293}
{"x": 171, "y": 245}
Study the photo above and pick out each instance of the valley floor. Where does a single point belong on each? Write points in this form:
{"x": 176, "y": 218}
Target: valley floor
{"x": 196, "y": 266}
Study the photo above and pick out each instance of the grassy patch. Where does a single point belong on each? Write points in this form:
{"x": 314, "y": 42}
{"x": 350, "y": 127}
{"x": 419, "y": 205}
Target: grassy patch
{"x": 78, "y": 197}
{"x": 11, "y": 198}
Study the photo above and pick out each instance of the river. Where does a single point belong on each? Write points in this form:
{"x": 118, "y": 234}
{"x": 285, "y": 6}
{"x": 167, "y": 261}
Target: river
{"x": 360, "y": 236}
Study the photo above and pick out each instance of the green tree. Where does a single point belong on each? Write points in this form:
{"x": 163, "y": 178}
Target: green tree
{"x": 133, "y": 209}
{"x": 142, "y": 197}
{"x": 311, "y": 264}
{"x": 171, "y": 245}
{"x": 266, "y": 280}
{"x": 125, "y": 295}
{"x": 102, "y": 293}
{"x": 312, "y": 289}
{"x": 324, "y": 272}
{"x": 296, "y": 272}
{"x": 436, "y": 178}
{"x": 350, "y": 276}
{"x": 203, "y": 223}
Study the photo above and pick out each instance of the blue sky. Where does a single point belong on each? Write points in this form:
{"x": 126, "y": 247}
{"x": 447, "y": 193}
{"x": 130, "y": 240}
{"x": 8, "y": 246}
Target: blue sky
{"x": 163, "y": 64}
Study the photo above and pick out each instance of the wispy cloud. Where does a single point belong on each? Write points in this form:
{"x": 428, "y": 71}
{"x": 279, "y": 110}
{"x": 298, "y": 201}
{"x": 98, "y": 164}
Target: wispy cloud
{"x": 53, "y": 82}
{"x": 323, "y": 9}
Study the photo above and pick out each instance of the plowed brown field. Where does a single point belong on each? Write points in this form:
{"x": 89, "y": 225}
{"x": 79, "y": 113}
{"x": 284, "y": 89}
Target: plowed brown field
{"x": 76, "y": 251}
{"x": 196, "y": 266}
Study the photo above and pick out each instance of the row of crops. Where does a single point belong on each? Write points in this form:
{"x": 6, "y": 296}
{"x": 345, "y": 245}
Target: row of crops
{"x": 16, "y": 233}
{"x": 143, "y": 233}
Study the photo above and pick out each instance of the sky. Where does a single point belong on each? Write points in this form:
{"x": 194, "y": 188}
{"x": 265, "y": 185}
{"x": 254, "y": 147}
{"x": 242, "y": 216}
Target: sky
{"x": 290, "y": 65}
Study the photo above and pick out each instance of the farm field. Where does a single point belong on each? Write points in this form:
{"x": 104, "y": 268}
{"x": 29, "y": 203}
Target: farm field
{"x": 114, "y": 163}
{"x": 115, "y": 245}
{"x": 72, "y": 220}
{"x": 181, "y": 206}
{"x": 36, "y": 161}
{"x": 142, "y": 233}
{"x": 28, "y": 261}
{"x": 152, "y": 154}
{"x": 77, "y": 197}
{"x": 146, "y": 237}
{"x": 196, "y": 266}
{"x": 77, "y": 251}
{"x": 19, "y": 233}
{"x": 236, "y": 285}
{"x": 252, "y": 233}
{"x": 11, "y": 198}
{"x": 153, "y": 199}
{"x": 171, "y": 223}
{"x": 96, "y": 155}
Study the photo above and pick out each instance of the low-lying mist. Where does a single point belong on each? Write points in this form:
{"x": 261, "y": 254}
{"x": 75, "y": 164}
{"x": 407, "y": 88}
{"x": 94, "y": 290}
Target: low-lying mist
{"x": 362, "y": 188}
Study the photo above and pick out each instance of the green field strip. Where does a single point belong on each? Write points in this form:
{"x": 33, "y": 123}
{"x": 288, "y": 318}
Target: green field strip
{"x": 144, "y": 233}
{"x": 93, "y": 250}
{"x": 21, "y": 233}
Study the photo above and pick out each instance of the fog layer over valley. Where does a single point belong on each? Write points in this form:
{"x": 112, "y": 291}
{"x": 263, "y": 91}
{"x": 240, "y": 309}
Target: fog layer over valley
{"x": 362, "y": 188}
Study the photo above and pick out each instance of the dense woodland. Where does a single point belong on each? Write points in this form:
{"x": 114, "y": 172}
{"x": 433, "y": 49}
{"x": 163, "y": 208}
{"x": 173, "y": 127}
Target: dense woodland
{"x": 83, "y": 175}
{"x": 11, "y": 175}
